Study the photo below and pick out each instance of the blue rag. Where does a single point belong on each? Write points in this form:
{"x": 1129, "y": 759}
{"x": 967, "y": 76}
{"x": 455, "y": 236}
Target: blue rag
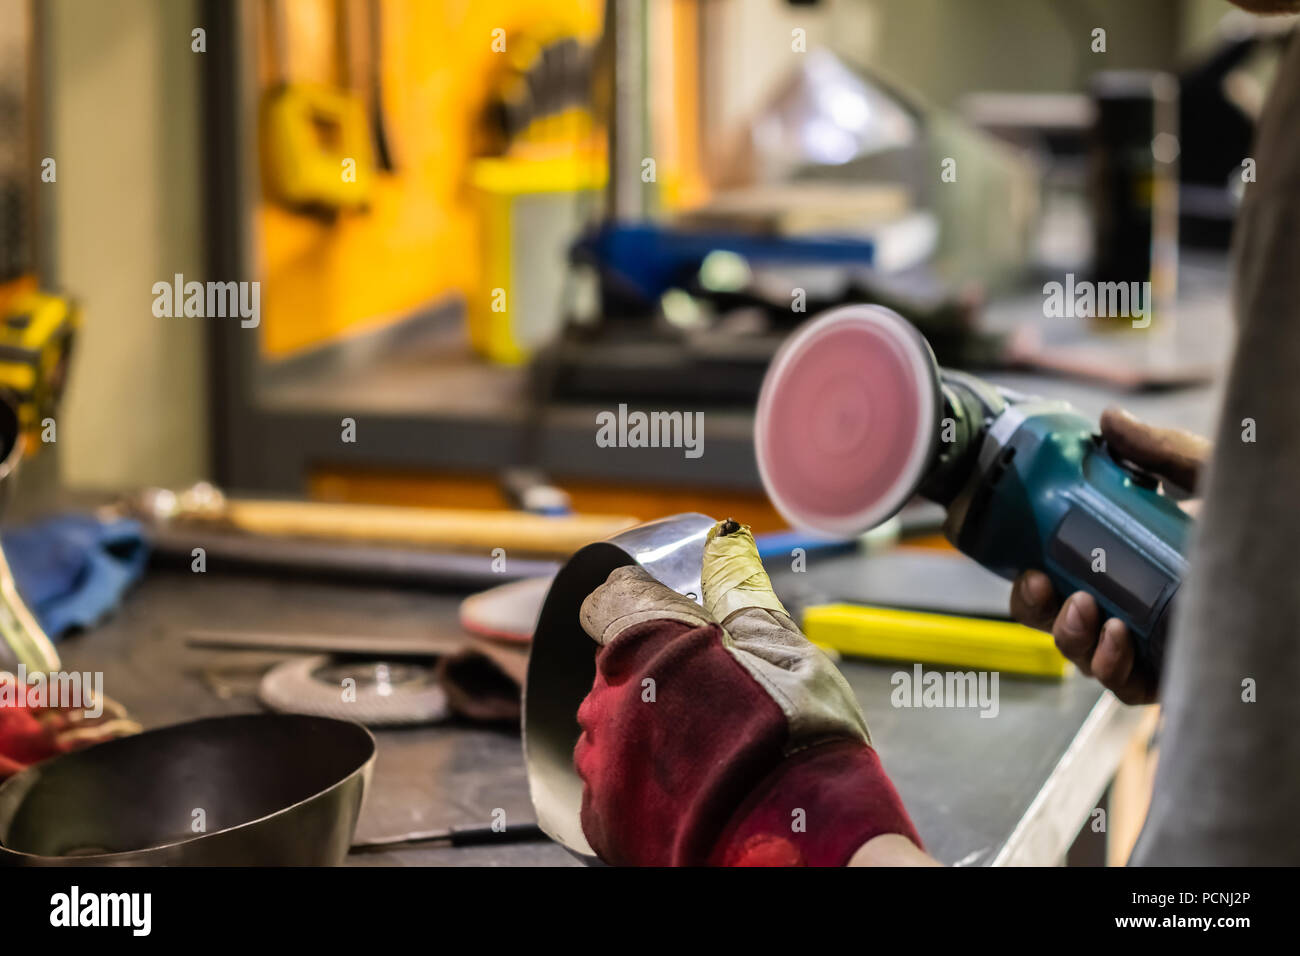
{"x": 72, "y": 570}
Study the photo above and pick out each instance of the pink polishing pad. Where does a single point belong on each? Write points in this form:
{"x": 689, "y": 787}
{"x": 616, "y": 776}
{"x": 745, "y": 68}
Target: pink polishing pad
{"x": 846, "y": 420}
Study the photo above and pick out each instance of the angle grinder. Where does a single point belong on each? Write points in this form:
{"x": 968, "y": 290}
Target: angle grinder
{"x": 855, "y": 417}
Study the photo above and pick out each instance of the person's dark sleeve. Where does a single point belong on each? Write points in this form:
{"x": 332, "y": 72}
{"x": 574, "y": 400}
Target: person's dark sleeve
{"x": 1228, "y": 783}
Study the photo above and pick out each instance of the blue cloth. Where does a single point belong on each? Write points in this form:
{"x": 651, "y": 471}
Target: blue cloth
{"x": 73, "y": 570}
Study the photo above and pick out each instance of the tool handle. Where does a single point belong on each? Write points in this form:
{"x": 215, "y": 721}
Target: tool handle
{"x": 452, "y": 528}
{"x": 1121, "y": 540}
{"x": 455, "y": 836}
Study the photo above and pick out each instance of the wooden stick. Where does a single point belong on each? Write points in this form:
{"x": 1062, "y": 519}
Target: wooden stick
{"x": 451, "y": 528}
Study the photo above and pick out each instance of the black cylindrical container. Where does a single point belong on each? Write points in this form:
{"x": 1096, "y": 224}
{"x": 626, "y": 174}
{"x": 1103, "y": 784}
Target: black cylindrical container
{"x": 1134, "y": 173}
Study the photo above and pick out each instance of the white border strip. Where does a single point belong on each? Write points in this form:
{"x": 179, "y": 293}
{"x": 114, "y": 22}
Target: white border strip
{"x": 1053, "y": 820}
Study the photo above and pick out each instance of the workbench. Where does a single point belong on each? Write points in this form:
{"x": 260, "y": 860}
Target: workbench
{"x": 1013, "y": 789}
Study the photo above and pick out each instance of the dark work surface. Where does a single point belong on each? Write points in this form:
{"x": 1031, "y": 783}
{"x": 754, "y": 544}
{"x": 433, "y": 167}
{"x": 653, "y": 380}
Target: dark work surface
{"x": 424, "y": 778}
{"x": 966, "y": 780}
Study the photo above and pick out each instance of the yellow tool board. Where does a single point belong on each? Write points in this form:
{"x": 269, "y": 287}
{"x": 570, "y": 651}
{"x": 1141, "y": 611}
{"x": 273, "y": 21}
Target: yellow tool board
{"x": 417, "y": 242}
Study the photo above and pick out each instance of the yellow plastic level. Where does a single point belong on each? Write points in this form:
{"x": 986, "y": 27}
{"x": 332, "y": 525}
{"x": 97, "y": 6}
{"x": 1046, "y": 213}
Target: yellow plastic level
{"x": 970, "y": 642}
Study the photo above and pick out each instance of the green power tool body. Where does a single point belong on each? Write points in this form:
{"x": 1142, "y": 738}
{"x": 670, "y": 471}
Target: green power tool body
{"x": 855, "y": 418}
{"x": 1034, "y": 486}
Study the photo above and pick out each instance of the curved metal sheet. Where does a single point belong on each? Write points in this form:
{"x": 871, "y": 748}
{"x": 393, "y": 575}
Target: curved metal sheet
{"x": 562, "y": 665}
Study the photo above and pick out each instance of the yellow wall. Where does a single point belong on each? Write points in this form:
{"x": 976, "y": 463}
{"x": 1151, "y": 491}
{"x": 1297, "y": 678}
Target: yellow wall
{"x": 418, "y": 243}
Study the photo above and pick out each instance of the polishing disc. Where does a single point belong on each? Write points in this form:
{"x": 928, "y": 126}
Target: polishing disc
{"x": 383, "y": 694}
{"x": 846, "y": 421}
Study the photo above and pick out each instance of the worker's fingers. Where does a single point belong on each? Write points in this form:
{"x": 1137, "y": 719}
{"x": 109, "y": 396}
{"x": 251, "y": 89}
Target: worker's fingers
{"x": 732, "y": 577}
{"x": 629, "y": 596}
{"x": 1114, "y": 663}
{"x": 1077, "y": 629}
{"x": 1033, "y": 600}
{"x": 1169, "y": 452}
{"x": 766, "y": 642}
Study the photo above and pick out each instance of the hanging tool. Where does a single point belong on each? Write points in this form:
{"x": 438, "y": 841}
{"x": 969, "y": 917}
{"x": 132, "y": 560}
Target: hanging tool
{"x": 375, "y": 71}
{"x": 317, "y": 154}
{"x": 36, "y": 333}
{"x": 855, "y": 417}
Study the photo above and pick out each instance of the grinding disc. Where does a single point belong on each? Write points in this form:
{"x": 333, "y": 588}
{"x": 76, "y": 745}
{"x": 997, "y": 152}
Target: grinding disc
{"x": 562, "y": 664}
{"x": 846, "y": 421}
{"x": 387, "y": 694}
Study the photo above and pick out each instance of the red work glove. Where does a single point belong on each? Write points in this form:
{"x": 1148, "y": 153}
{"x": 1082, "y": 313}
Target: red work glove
{"x": 29, "y": 735}
{"x": 732, "y": 743}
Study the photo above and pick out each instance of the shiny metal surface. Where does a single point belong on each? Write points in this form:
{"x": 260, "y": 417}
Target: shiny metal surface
{"x": 562, "y": 665}
{"x": 22, "y": 640}
{"x": 268, "y": 790}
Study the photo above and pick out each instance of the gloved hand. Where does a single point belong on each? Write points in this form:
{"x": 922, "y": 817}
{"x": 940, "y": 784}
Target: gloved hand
{"x": 719, "y": 734}
{"x": 1104, "y": 649}
{"x": 31, "y": 733}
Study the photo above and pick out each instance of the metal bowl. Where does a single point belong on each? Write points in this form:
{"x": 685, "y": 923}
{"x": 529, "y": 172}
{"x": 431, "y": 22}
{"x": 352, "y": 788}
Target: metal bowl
{"x": 250, "y": 790}
{"x": 562, "y": 663}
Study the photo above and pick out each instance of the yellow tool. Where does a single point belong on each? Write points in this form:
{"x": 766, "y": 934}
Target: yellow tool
{"x": 36, "y": 332}
{"x": 967, "y": 642}
{"x": 316, "y": 149}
